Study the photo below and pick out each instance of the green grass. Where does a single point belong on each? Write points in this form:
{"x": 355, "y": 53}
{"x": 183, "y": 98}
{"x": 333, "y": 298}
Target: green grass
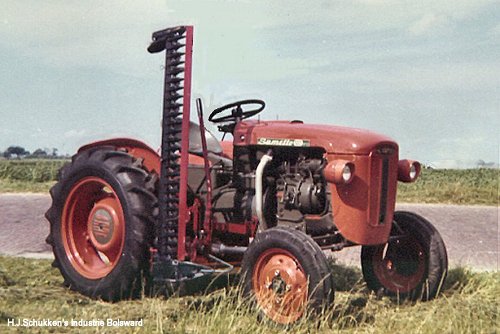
{"x": 31, "y": 289}
{"x": 469, "y": 186}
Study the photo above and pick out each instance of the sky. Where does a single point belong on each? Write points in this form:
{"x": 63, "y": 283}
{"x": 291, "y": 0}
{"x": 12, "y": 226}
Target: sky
{"x": 426, "y": 73}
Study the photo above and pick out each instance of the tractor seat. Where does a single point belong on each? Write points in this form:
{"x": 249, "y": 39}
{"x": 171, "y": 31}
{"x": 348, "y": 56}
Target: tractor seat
{"x": 214, "y": 148}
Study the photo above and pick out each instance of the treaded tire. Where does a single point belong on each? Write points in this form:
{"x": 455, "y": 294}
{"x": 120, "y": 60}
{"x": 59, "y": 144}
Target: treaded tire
{"x": 263, "y": 257}
{"x": 132, "y": 191}
{"x": 414, "y": 267}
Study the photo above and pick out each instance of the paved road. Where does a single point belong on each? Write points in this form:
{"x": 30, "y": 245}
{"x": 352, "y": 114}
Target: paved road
{"x": 471, "y": 233}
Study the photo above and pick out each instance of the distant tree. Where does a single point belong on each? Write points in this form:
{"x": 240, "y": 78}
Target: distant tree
{"x": 18, "y": 151}
{"x": 39, "y": 153}
{"x": 486, "y": 164}
{"x": 54, "y": 152}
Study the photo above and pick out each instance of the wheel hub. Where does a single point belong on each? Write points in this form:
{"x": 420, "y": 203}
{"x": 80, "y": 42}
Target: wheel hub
{"x": 281, "y": 285}
{"x": 400, "y": 266}
{"x": 278, "y": 285}
{"x": 102, "y": 224}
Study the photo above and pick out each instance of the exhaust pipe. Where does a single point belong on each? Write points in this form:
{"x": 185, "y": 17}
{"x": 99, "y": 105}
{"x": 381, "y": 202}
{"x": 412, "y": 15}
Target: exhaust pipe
{"x": 259, "y": 189}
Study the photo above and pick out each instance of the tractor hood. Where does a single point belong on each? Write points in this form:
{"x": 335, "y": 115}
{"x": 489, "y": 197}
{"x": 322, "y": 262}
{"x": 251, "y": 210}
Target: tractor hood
{"x": 334, "y": 139}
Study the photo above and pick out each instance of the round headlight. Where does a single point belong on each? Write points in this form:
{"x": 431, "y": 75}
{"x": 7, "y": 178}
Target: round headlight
{"x": 408, "y": 170}
{"x": 339, "y": 171}
{"x": 413, "y": 171}
{"x": 346, "y": 173}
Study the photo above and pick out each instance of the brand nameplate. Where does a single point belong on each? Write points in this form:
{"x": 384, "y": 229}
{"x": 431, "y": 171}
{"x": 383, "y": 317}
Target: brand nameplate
{"x": 283, "y": 142}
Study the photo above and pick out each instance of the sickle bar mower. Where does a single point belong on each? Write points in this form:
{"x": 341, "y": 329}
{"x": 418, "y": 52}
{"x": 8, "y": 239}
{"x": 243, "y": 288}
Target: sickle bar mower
{"x": 168, "y": 264}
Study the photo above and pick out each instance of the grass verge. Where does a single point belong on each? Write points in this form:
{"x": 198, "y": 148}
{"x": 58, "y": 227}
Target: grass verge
{"x": 468, "y": 186}
{"x": 31, "y": 289}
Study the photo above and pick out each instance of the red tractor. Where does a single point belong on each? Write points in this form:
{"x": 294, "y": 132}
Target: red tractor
{"x": 125, "y": 219}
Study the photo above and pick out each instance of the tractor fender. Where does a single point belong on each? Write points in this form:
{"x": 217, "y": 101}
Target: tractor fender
{"x": 136, "y": 148}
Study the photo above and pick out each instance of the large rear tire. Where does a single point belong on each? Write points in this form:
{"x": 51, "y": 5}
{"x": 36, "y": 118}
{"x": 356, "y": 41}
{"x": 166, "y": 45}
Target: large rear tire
{"x": 101, "y": 224}
{"x": 285, "y": 272}
{"x": 412, "y": 265}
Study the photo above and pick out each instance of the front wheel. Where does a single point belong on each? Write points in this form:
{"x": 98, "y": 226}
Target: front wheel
{"x": 412, "y": 265}
{"x": 285, "y": 272}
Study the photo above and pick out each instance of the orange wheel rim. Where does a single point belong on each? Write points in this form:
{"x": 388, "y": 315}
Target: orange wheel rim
{"x": 93, "y": 228}
{"x": 280, "y": 285}
{"x": 400, "y": 265}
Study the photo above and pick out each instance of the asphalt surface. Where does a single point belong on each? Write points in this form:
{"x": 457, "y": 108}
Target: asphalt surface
{"x": 471, "y": 233}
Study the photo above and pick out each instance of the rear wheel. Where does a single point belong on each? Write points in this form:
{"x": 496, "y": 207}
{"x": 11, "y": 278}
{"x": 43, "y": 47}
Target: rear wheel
{"x": 412, "y": 265}
{"x": 101, "y": 223}
{"x": 285, "y": 272}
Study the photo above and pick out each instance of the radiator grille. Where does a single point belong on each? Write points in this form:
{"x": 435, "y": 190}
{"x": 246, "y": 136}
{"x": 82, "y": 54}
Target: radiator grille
{"x": 383, "y": 190}
{"x": 383, "y": 158}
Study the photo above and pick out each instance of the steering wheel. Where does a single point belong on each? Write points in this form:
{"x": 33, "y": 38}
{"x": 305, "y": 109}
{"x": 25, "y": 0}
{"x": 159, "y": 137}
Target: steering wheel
{"x": 237, "y": 113}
